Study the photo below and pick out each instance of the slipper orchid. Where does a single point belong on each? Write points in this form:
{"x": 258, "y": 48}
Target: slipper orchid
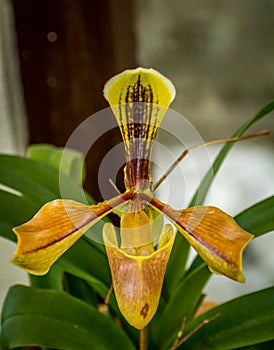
{"x": 139, "y": 99}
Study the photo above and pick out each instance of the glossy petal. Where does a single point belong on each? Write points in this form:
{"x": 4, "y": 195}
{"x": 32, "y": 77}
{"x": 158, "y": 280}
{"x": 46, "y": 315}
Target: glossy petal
{"x": 217, "y": 238}
{"x": 53, "y": 230}
{"x": 138, "y": 280}
{"x": 215, "y": 235}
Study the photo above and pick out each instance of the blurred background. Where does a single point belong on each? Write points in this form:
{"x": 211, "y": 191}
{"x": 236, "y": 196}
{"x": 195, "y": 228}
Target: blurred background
{"x": 55, "y": 57}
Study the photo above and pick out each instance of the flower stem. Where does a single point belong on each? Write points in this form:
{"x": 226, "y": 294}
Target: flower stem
{"x": 143, "y": 339}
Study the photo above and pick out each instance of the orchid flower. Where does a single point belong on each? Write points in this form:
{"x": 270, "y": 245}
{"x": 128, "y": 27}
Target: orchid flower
{"x": 139, "y": 99}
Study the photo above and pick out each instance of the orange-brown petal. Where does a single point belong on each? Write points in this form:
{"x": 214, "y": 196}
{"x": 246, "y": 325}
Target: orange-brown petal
{"x": 217, "y": 238}
{"x": 215, "y": 235}
{"x": 53, "y": 230}
{"x": 137, "y": 280}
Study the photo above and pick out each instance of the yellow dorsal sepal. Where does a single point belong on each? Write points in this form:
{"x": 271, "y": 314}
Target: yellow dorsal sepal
{"x": 139, "y": 85}
{"x": 139, "y": 99}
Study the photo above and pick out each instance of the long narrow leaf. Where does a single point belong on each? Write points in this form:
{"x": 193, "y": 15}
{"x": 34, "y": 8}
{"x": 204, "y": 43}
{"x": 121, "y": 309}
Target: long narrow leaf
{"x": 86, "y": 259}
{"x": 244, "y": 321}
{"x": 52, "y": 280}
{"x": 14, "y": 210}
{"x": 202, "y": 190}
{"x": 182, "y": 304}
{"x": 33, "y": 190}
{"x": 80, "y": 289}
{"x": 262, "y": 346}
{"x": 65, "y": 160}
{"x": 259, "y": 218}
{"x": 83, "y": 261}
{"x": 177, "y": 264}
{"x": 57, "y": 320}
{"x": 37, "y": 180}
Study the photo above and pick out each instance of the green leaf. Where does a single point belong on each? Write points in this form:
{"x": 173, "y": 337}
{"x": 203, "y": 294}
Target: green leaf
{"x": 52, "y": 280}
{"x": 57, "y": 320}
{"x": 176, "y": 265}
{"x": 259, "y": 218}
{"x": 80, "y": 289}
{"x": 40, "y": 152}
{"x": 24, "y": 184}
{"x": 202, "y": 190}
{"x": 195, "y": 265}
{"x": 86, "y": 259}
{"x": 89, "y": 272}
{"x": 262, "y": 346}
{"x": 244, "y": 321}
{"x": 68, "y": 161}
{"x": 14, "y": 210}
{"x": 37, "y": 181}
{"x": 183, "y": 303}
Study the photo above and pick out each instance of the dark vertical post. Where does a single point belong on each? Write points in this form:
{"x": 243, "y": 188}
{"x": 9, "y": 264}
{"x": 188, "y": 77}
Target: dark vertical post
{"x": 68, "y": 49}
